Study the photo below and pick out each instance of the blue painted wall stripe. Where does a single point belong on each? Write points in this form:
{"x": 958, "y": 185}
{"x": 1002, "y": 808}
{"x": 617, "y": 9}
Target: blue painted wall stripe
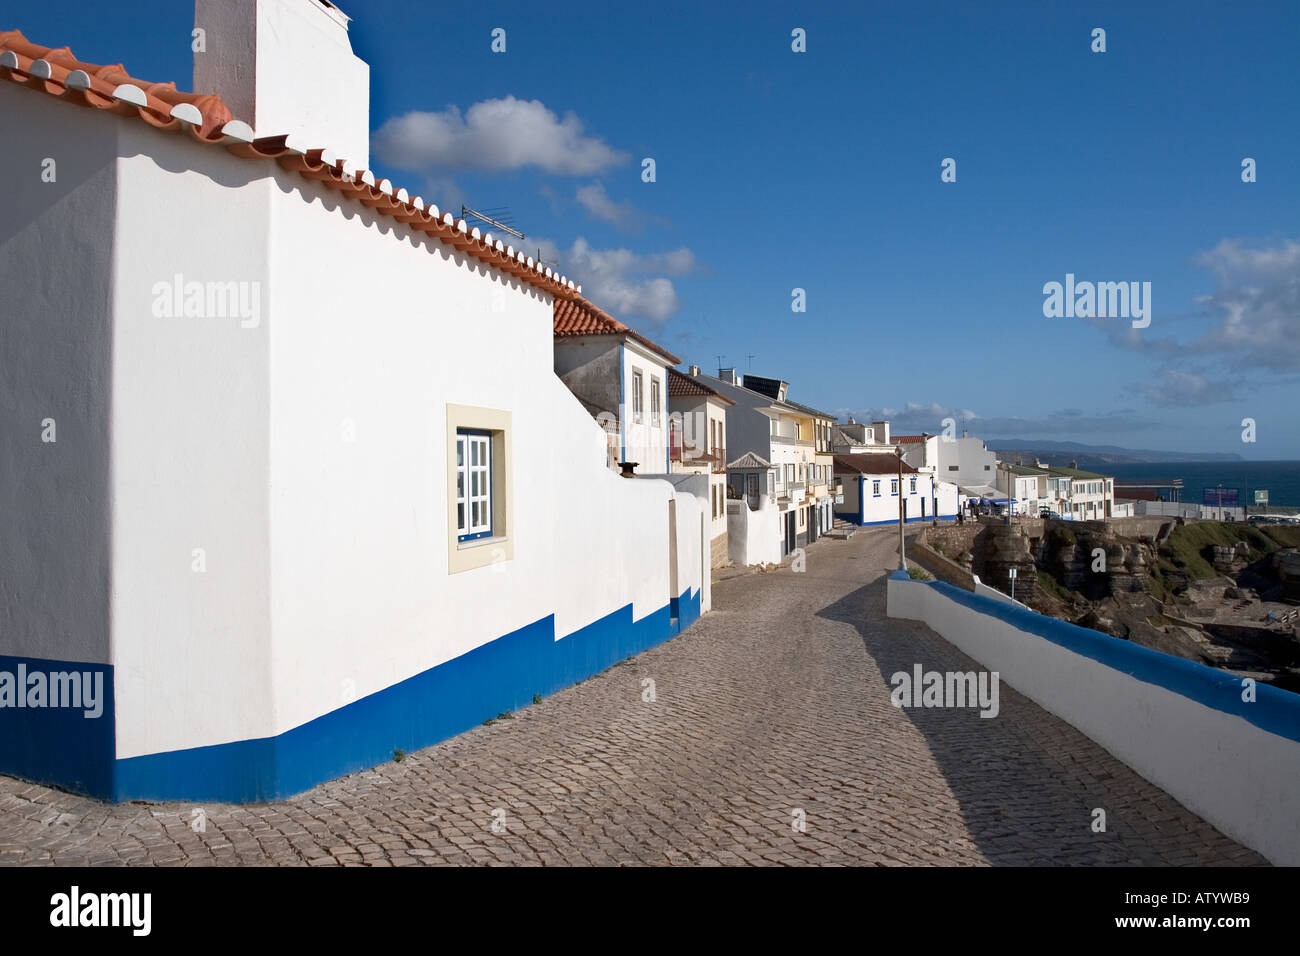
{"x": 66, "y": 750}
{"x": 1274, "y": 710}
{"x": 60, "y": 746}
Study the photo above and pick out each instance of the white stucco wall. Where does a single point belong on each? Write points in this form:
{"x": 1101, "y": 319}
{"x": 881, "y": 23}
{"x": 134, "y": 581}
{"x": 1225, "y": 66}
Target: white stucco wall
{"x": 754, "y": 537}
{"x": 55, "y": 349}
{"x": 646, "y": 440}
{"x": 1238, "y": 776}
{"x": 884, "y": 507}
{"x": 303, "y": 453}
{"x": 286, "y": 66}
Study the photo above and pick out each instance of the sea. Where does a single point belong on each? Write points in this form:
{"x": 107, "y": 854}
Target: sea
{"x": 1280, "y": 478}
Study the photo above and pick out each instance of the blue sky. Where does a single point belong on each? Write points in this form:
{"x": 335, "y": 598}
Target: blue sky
{"x": 821, "y": 171}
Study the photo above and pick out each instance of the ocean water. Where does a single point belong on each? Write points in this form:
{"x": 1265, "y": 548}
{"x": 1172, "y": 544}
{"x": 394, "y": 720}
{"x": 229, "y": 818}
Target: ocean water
{"x": 1280, "y": 478}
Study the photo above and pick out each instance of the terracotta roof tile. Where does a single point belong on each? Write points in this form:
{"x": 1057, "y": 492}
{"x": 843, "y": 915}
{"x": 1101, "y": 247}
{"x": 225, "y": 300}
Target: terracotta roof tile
{"x": 57, "y": 73}
{"x": 577, "y": 316}
{"x": 878, "y": 463}
{"x": 908, "y": 439}
{"x": 681, "y": 385}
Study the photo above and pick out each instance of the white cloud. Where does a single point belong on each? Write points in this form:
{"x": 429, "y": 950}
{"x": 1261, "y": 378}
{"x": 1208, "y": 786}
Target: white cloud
{"x": 494, "y": 135}
{"x": 1256, "y": 305}
{"x": 624, "y": 215}
{"x": 1178, "y": 388}
{"x": 622, "y": 282}
{"x": 1251, "y": 321}
{"x": 596, "y": 201}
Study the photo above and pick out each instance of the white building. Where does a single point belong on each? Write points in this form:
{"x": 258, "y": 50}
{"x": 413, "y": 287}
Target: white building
{"x": 780, "y": 435}
{"x": 697, "y": 444}
{"x": 298, "y": 480}
{"x": 1091, "y": 495}
{"x": 621, "y": 378}
{"x": 872, "y": 491}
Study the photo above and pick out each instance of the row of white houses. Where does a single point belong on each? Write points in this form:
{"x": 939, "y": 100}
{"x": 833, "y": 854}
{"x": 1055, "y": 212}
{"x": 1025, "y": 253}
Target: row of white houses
{"x": 266, "y": 501}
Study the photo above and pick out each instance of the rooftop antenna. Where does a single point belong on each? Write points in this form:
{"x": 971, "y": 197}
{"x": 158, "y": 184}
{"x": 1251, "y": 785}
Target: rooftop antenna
{"x": 500, "y": 213}
{"x": 751, "y": 363}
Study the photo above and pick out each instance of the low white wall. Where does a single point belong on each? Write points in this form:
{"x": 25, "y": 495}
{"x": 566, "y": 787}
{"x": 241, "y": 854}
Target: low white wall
{"x": 995, "y": 594}
{"x": 1179, "y": 724}
{"x": 753, "y": 536}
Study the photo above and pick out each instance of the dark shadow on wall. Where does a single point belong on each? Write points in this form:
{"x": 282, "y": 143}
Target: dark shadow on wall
{"x": 1027, "y": 782}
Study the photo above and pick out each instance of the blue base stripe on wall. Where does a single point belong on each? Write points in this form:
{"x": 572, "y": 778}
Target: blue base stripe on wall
{"x": 57, "y": 746}
{"x": 1273, "y": 709}
{"x": 502, "y": 675}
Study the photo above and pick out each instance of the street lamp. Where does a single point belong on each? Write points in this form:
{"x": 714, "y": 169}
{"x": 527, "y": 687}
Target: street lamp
{"x": 902, "y": 557}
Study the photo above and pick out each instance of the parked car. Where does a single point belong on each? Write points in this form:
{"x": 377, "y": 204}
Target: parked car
{"x": 1047, "y": 513}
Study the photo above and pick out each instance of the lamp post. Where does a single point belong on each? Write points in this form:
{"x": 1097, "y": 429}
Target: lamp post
{"x": 1007, "y": 519}
{"x": 902, "y": 556}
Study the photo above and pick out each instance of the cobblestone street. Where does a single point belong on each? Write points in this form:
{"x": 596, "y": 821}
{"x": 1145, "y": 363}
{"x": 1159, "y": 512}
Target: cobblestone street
{"x": 773, "y": 708}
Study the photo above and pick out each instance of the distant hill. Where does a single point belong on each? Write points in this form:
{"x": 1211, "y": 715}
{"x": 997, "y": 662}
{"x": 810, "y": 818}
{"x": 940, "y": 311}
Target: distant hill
{"x": 1094, "y": 456}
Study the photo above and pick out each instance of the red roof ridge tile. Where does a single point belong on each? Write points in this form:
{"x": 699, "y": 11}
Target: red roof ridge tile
{"x": 579, "y": 316}
{"x": 56, "y": 72}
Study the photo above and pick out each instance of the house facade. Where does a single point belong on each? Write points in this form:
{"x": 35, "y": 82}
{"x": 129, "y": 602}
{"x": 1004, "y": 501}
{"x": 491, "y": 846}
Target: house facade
{"x": 816, "y": 426}
{"x": 277, "y": 499}
{"x": 697, "y": 444}
{"x": 781, "y": 435}
{"x": 1092, "y": 495}
{"x": 621, "y": 378}
{"x": 873, "y": 494}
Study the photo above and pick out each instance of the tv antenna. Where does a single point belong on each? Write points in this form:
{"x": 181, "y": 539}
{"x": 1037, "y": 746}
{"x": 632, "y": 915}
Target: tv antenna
{"x": 499, "y": 218}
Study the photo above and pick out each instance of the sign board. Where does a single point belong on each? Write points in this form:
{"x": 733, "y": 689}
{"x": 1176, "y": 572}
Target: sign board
{"x": 1261, "y": 496}
{"x": 1221, "y": 497}
{"x": 1012, "y": 572}
{"x": 839, "y": 499}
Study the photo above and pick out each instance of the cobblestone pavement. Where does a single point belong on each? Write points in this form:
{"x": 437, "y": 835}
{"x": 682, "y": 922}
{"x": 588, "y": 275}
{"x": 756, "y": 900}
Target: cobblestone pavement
{"x": 773, "y": 708}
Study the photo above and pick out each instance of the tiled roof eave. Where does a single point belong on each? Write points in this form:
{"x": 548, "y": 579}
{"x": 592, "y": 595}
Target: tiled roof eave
{"x": 56, "y": 73}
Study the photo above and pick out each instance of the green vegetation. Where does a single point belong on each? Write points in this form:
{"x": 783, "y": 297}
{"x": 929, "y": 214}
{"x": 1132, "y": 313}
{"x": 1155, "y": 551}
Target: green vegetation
{"x": 537, "y": 698}
{"x": 919, "y": 573}
{"x": 1055, "y": 588}
{"x": 399, "y": 755}
{"x": 1188, "y": 547}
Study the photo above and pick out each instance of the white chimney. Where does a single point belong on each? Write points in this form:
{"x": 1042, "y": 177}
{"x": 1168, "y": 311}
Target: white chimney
{"x": 286, "y": 66}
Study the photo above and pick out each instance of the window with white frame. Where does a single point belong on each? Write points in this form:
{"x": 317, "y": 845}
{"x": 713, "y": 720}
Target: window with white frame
{"x": 636, "y": 395}
{"x": 654, "y": 401}
{"x": 480, "y": 512}
{"x": 473, "y": 484}
{"x": 893, "y": 486}
{"x": 875, "y": 488}
{"x": 751, "y": 485}
{"x": 913, "y": 488}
